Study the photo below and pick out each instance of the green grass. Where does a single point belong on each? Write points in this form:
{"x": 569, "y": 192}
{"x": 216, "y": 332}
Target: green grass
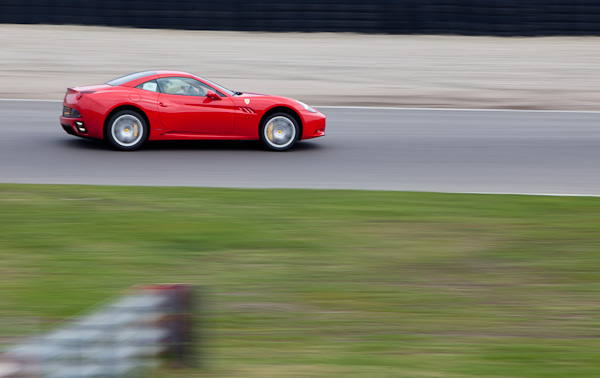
{"x": 311, "y": 283}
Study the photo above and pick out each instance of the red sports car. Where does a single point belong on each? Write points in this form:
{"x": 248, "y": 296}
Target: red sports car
{"x": 168, "y": 105}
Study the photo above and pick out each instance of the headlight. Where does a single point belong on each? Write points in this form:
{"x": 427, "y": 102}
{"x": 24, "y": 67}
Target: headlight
{"x": 70, "y": 112}
{"x": 306, "y": 107}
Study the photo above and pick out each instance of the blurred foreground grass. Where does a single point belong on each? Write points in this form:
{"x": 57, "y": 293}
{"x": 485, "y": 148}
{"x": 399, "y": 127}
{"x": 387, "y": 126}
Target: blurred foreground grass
{"x": 311, "y": 283}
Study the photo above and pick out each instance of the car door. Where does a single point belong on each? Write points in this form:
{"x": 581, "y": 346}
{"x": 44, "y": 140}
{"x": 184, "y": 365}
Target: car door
{"x": 184, "y": 107}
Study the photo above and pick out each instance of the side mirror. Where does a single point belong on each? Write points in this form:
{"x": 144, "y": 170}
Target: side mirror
{"x": 212, "y": 95}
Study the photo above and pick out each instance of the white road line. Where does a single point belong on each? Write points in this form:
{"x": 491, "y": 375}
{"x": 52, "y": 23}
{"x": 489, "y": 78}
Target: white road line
{"x": 525, "y": 194}
{"x": 448, "y": 192}
{"x": 382, "y": 107}
{"x": 454, "y": 109}
{"x": 28, "y": 99}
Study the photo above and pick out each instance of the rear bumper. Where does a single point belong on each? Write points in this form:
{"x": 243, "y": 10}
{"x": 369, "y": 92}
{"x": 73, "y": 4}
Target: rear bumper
{"x": 68, "y": 129}
{"x": 68, "y": 124}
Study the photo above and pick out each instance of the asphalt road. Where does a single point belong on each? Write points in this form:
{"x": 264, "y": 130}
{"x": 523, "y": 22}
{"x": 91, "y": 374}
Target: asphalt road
{"x": 388, "y": 149}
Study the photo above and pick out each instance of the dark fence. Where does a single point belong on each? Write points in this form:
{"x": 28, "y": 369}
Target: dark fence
{"x": 477, "y": 17}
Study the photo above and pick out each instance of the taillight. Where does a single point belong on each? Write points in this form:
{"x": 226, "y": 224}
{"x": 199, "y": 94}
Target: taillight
{"x": 70, "y": 112}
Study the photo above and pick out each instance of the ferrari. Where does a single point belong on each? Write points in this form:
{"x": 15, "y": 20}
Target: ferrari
{"x": 173, "y": 105}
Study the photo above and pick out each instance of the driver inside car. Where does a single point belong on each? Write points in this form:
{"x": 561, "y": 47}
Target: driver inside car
{"x": 179, "y": 87}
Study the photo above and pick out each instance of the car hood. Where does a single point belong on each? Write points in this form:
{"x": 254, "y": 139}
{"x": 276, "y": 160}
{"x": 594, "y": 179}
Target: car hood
{"x": 266, "y": 97}
{"x": 247, "y": 94}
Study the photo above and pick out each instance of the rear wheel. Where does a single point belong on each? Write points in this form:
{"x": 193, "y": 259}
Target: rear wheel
{"x": 126, "y": 130}
{"x": 279, "y": 132}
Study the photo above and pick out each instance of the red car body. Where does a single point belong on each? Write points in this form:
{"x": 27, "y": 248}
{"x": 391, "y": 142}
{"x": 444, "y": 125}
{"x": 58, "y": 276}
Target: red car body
{"x": 228, "y": 116}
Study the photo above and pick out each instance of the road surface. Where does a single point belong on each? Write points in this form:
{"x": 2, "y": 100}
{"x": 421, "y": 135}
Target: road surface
{"x": 365, "y": 148}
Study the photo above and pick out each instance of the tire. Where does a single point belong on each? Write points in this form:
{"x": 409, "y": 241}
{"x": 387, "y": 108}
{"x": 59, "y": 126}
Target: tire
{"x": 279, "y": 132}
{"x": 126, "y": 130}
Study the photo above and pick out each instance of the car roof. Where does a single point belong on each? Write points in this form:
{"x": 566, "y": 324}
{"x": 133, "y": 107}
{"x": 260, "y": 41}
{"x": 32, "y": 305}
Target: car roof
{"x": 162, "y": 73}
{"x": 136, "y": 78}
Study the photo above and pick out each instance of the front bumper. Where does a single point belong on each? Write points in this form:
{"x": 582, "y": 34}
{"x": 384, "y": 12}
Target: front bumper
{"x": 314, "y": 125}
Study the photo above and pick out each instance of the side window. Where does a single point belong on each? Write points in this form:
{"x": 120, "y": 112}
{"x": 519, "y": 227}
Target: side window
{"x": 151, "y": 86}
{"x": 184, "y": 86}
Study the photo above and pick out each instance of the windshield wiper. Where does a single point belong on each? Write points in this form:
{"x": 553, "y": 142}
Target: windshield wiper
{"x": 237, "y": 93}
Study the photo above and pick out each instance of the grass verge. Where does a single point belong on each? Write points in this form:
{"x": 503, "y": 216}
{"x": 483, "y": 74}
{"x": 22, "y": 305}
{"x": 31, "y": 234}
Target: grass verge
{"x": 311, "y": 283}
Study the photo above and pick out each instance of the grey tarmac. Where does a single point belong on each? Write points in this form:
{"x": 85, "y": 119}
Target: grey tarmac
{"x": 372, "y": 149}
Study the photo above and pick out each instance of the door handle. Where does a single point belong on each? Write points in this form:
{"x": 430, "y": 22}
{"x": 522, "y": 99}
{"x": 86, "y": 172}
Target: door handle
{"x": 161, "y": 104}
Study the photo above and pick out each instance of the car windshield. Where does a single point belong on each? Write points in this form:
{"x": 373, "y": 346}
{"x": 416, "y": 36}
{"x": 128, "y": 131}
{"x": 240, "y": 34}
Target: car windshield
{"x": 127, "y": 78}
{"x": 219, "y": 87}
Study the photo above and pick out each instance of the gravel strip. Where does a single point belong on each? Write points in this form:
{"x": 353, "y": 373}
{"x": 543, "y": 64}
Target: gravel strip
{"x": 40, "y": 61}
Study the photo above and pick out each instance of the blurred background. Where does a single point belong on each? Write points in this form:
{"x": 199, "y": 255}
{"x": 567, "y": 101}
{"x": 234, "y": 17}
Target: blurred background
{"x": 467, "y": 17}
{"x": 319, "y": 283}
{"x": 403, "y": 53}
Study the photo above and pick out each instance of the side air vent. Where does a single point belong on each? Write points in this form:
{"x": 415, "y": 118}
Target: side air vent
{"x": 247, "y": 110}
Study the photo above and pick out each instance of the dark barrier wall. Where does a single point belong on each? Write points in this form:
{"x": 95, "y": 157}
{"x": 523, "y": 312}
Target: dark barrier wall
{"x": 500, "y": 17}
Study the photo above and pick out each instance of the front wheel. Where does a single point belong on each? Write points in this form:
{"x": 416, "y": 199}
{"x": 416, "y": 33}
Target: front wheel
{"x": 279, "y": 132}
{"x": 126, "y": 130}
